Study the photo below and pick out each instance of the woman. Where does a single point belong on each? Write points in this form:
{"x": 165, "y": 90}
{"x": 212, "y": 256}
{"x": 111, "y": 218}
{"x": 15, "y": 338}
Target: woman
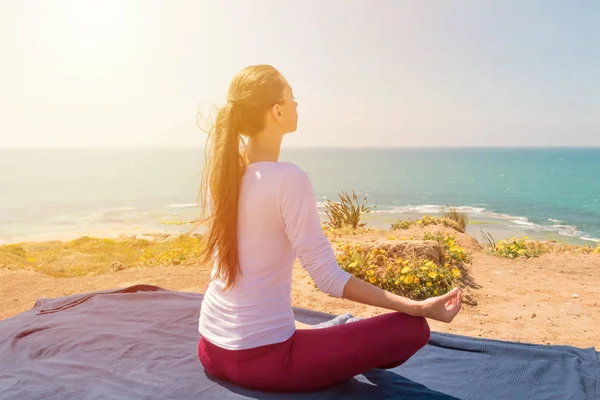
{"x": 263, "y": 215}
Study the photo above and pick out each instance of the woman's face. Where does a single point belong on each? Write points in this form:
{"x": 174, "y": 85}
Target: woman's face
{"x": 289, "y": 111}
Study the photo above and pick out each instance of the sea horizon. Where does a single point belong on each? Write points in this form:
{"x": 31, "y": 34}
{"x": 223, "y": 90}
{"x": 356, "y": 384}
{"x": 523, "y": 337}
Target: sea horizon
{"x": 548, "y": 193}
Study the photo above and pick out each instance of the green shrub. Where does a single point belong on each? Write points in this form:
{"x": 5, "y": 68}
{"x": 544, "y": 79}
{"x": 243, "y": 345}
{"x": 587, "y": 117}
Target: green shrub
{"x": 398, "y": 225}
{"x": 347, "y": 212}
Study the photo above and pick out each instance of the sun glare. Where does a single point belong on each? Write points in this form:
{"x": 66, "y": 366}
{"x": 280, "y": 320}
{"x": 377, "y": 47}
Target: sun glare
{"x": 86, "y": 39}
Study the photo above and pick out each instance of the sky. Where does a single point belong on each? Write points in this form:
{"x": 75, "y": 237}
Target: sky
{"x": 365, "y": 73}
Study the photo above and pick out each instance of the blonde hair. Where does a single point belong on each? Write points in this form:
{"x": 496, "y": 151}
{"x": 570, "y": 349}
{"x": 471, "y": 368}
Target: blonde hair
{"x": 252, "y": 92}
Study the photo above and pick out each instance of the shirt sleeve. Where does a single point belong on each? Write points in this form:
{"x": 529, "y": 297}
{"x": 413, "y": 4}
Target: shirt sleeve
{"x": 298, "y": 207}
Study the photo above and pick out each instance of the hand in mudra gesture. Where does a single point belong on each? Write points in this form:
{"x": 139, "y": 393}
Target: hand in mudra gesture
{"x": 443, "y": 308}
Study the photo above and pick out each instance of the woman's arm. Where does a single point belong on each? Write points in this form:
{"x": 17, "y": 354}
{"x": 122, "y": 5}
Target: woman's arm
{"x": 362, "y": 292}
{"x": 303, "y": 228}
{"x": 442, "y": 308}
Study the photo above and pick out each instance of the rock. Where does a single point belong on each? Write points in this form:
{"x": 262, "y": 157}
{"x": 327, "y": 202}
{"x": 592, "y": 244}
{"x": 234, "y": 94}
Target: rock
{"x": 575, "y": 296}
{"x": 423, "y": 249}
{"x": 533, "y": 315}
{"x": 117, "y": 266}
{"x": 468, "y": 299}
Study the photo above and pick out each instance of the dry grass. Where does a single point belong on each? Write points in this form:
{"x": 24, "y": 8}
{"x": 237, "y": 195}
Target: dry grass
{"x": 88, "y": 256}
{"x": 428, "y": 220}
{"x": 461, "y": 219}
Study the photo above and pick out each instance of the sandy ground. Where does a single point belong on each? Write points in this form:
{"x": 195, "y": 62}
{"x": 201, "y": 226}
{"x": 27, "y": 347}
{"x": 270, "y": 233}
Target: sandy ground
{"x": 519, "y": 300}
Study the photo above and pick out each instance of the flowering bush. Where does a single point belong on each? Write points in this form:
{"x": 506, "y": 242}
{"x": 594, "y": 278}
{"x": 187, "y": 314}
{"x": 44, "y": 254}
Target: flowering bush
{"x": 453, "y": 254}
{"x": 414, "y": 278}
{"x": 514, "y": 248}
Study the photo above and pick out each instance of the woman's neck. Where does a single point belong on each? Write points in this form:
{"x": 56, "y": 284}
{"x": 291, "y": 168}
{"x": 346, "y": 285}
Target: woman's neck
{"x": 263, "y": 148}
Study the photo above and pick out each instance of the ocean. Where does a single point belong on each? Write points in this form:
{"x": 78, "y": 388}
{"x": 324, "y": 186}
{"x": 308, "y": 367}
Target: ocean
{"x": 545, "y": 193}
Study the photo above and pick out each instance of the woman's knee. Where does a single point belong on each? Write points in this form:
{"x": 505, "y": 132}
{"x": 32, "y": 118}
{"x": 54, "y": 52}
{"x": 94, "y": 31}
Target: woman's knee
{"x": 415, "y": 330}
{"x": 423, "y": 331}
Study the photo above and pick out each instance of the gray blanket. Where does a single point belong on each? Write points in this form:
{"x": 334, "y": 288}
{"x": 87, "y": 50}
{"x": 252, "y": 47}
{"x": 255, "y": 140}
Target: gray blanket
{"x": 140, "y": 343}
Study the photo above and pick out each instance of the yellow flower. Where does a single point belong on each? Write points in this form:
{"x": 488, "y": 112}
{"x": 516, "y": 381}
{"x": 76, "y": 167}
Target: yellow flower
{"x": 423, "y": 268}
{"x": 525, "y": 237}
{"x": 352, "y": 265}
{"x": 456, "y": 272}
{"x": 454, "y": 248}
{"x": 432, "y": 275}
{"x": 408, "y": 279}
{"x": 405, "y": 270}
{"x": 397, "y": 282}
{"x": 428, "y": 284}
{"x": 521, "y": 252}
{"x": 417, "y": 280}
{"x": 435, "y": 292}
{"x": 429, "y": 264}
{"x": 372, "y": 279}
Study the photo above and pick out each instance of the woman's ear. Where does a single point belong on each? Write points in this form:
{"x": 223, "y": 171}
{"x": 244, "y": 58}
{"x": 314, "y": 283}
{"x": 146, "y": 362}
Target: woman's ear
{"x": 277, "y": 113}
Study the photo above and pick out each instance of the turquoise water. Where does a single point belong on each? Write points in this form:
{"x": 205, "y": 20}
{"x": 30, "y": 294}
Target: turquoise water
{"x": 546, "y": 193}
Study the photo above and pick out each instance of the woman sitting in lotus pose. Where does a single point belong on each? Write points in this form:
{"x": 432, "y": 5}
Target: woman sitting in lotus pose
{"x": 262, "y": 214}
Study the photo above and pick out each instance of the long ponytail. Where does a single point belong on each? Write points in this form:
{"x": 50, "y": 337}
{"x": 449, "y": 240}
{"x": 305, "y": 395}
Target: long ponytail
{"x": 252, "y": 92}
{"x": 225, "y": 165}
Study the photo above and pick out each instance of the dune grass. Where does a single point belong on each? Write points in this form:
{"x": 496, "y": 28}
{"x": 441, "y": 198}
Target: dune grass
{"x": 460, "y": 218}
{"x": 94, "y": 256}
{"x": 348, "y": 212}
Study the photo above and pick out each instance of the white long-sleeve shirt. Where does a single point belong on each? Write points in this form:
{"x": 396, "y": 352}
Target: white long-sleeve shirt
{"x": 277, "y": 222}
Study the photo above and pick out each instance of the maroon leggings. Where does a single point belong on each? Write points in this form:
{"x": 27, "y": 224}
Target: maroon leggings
{"x": 316, "y": 358}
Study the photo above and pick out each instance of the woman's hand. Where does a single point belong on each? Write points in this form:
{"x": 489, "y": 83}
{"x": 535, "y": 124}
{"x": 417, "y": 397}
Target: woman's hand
{"x": 442, "y": 308}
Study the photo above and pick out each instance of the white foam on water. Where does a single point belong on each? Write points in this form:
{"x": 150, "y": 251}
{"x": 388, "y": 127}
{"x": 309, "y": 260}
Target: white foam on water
{"x": 589, "y": 239}
{"x": 557, "y": 226}
{"x": 431, "y": 209}
{"x": 185, "y": 205}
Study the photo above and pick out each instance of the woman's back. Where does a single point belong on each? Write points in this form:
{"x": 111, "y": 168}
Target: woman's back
{"x": 276, "y": 220}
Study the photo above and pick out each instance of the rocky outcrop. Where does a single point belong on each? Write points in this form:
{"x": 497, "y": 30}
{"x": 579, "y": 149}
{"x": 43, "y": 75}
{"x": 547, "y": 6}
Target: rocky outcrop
{"x": 421, "y": 249}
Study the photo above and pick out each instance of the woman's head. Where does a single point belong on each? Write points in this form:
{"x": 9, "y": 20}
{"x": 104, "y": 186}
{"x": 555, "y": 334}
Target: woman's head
{"x": 259, "y": 97}
{"x": 259, "y": 102}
